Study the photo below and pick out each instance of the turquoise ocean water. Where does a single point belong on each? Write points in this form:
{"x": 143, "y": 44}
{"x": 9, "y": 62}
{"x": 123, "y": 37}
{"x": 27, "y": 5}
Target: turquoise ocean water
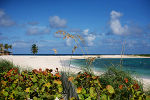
{"x": 137, "y": 66}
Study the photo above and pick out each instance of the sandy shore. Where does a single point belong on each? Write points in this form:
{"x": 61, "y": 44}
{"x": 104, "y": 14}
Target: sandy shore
{"x": 53, "y": 62}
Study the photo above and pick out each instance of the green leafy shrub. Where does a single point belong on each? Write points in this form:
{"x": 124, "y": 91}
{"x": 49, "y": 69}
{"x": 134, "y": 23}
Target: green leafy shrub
{"x": 124, "y": 84}
{"x": 89, "y": 87}
{"x": 35, "y": 84}
{"x": 114, "y": 84}
{"x": 6, "y": 66}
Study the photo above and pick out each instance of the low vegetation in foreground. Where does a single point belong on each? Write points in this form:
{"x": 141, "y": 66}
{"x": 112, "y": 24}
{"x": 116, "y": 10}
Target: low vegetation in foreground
{"x": 114, "y": 84}
{"x": 30, "y": 85}
{"x": 5, "y": 66}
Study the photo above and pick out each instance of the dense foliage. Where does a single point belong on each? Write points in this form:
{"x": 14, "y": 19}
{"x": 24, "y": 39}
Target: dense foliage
{"x": 113, "y": 85}
{"x": 6, "y": 66}
{"x": 36, "y": 84}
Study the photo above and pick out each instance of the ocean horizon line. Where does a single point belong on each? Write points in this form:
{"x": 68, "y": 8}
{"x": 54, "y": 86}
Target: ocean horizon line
{"x": 72, "y": 54}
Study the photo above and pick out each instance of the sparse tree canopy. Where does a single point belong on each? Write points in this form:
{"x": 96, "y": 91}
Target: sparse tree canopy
{"x": 4, "y": 49}
{"x": 1, "y": 47}
{"x": 34, "y": 49}
{"x": 6, "y": 46}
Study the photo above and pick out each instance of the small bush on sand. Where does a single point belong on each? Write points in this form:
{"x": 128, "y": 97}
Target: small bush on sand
{"x": 6, "y": 66}
{"x": 124, "y": 84}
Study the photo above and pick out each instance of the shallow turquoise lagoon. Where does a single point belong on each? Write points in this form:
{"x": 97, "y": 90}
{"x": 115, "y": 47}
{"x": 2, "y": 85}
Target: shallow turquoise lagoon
{"x": 137, "y": 66}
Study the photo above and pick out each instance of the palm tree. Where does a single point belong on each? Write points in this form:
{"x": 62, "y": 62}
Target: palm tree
{"x": 10, "y": 46}
{"x": 6, "y": 46}
{"x": 1, "y": 49}
{"x": 34, "y": 49}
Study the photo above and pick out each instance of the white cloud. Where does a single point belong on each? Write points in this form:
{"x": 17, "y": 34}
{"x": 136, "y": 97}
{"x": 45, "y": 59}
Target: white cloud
{"x": 38, "y": 30}
{"x": 5, "y": 19}
{"x": 89, "y": 38}
{"x": 115, "y": 24}
{"x": 69, "y": 42}
{"x": 57, "y": 22}
{"x": 20, "y": 44}
{"x": 2, "y": 13}
{"x": 86, "y": 31}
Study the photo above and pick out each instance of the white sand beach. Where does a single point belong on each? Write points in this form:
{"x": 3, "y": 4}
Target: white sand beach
{"x": 53, "y": 62}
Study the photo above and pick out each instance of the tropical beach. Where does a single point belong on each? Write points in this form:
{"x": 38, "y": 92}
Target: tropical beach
{"x": 53, "y": 62}
{"x": 74, "y": 50}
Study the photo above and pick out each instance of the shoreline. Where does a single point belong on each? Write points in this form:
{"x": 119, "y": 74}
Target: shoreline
{"x": 81, "y": 56}
{"x": 53, "y": 62}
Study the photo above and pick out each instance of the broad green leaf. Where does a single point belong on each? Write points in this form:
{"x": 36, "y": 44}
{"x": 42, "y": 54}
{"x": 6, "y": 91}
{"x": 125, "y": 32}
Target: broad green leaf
{"x": 81, "y": 97}
{"x": 110, "y": 89}
{"x": 60, "y": 89}
{"x": 15, "y": 92}
{"x": 27, "y": 89}
{"x": 92, "y": 92}
{"x": 43, "y": 88}
{"x": 87, "y": 95}
{"x": 11, "y": 96}
{"x": 99, "y": 83}
{"x": 104, "y": 97}
{"x": 8, "y": 89}
{"x": 72, "y": 98}
{"x": 108, "y": 98}
{"x": 5, "y": 93}
{"x": 140, "y": 98}
{"x": 47, "y": 85}
{"x": 28, "y": 96}
{"x": 12, "y": 78}
{"x": 13, "y": 85}
{"x": 147, "y": 97}
{"x": 83, "y": 91}
{"x": 35, "y": 98}
{"x": 95, "y": 81}
{"x": 138, "y": 93}
{"x": 34, "y": 79}
{"x": 89, "y": 98}
{"x": 59, "y": 95}
{"x": 16, "y": 81}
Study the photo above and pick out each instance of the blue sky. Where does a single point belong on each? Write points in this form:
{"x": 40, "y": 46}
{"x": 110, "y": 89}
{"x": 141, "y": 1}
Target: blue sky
{"x": 104, "y": 24}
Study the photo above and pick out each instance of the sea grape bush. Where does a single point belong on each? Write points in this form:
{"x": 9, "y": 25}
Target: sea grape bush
{"x": 90, "y": 87}
{"x": 6, "y": 65}
{"x": 43, "y": 85}
{"x": 36, "y": 84}
{"x": 124, "y": 84}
